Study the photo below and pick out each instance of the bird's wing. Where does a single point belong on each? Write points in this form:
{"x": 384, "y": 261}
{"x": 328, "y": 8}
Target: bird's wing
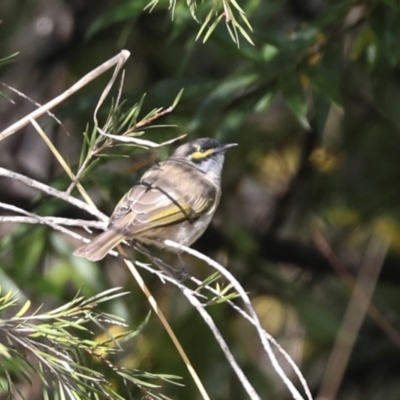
{"x": 147, "y": 206}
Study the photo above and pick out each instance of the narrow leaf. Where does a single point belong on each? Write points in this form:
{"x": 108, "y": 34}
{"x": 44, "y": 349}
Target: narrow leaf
{"x": 177, "y": 98}
{"x": 24, "y": 309}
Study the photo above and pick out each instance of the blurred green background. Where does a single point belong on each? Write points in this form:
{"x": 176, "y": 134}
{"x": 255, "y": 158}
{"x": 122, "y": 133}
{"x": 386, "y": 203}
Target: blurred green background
{"x": 310, "y": 195}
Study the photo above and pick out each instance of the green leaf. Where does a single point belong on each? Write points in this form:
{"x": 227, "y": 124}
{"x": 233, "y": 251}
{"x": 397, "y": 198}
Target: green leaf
{"x": 177, "y": 98}
{"x": 192, "y": 5}
{"x": 265, "y": 102}
{"x": 221, "y": 97}
{"x": 246, "y": 21}
{"x": 212, "y": 27}
{"x": 233, "y": 33}
{"x": 122, "y": 12}
{"x": 133, "y": 116}
{"x": 112, "y": 155}
{"x": 294, "y": 97}
{"x": 204, "y": 25}
{"x": 84, "y": 149}
{"x": 4, "y": 351}
{"x": 269, "y": 52}
{"x": 243, "y": 32}
{"x": 24, "y": 309}
{"x": 362, "y": 42}
{"x": 27, "y": 252}
{"x": 90, "y": 167}
{"x": 9, "y": 59}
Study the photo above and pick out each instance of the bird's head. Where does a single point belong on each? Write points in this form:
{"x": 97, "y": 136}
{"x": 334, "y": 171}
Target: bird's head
{"x": 205, "y": 154}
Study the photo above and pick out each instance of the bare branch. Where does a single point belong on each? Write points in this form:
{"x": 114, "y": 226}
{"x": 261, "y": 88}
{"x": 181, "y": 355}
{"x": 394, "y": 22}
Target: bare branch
{"x": 82, "y": 223}
{"x": 269, "y": 337}
{"x": 355, "y": 313}
{"x": 40, "y": 220}
{"x": 347, "y": 278}
{"x": 222, "y": 344}
{"x": 53, "y": 192}
{"x": 118, "y": 59}
{"x": 267, "y": 347}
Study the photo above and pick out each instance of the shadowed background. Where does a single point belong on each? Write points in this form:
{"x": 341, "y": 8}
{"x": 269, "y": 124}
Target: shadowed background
{"x": 310, "y": 196}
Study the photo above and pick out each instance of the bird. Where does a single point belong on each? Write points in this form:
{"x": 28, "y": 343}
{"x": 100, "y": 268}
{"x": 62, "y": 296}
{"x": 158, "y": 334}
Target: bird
{"x": 175, "y": 199}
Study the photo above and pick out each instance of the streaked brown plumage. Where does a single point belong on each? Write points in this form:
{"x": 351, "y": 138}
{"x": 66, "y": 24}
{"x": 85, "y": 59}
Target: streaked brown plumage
{"x": 174, "y": 200}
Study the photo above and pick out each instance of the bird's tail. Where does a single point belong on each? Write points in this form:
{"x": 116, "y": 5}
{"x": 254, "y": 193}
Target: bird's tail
{"x": 98, "y": 248}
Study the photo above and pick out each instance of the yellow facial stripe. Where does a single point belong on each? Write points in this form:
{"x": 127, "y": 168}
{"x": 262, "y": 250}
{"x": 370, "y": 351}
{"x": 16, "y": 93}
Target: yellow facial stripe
{"x": 199, "y": 155}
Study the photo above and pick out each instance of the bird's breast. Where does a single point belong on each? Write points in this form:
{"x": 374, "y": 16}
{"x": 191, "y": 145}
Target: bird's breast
{"x": 185, "y": 233}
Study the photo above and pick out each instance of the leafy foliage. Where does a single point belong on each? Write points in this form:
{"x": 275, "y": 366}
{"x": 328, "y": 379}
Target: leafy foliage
{"x": 46, "y": 345}
{"x": 308, "y": 196}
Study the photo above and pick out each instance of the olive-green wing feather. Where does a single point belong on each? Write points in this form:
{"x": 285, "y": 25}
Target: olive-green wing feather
{"x": 147, "y": 207}
{"x": 167, "y": 194}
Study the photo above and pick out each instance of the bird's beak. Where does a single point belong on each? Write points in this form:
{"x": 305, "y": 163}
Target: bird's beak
{"x": 225, "y": 147}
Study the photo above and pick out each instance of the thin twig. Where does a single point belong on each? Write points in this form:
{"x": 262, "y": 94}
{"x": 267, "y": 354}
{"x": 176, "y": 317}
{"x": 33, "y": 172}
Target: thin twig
{"x": 354, "y": 316}
{"x": 350, "y": 282}
{"x": 24, "y": 96}
{"x": 118, "y": 59}
{"x": 82, "y": 223}
{"x": 133, "y": 140}
{"x": 189, "y": 294}
{"x": 125, "y": 139}
{"x": 296, "y": 395}
{"x": 267, "y": 347}
{"x": 166, "y": 325}
{"x": 121, "y": 85}
{"x": 222, "y": 344}
{"x": 155, "y": 307}
{"x": 53, "y": 192}
{"x": 61, "y": 161}
{"x": 40, "y": 220}
{"x": 199, "y": 283}
{"x": 269, "y": 337}
{"x": 162, "y": 276}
